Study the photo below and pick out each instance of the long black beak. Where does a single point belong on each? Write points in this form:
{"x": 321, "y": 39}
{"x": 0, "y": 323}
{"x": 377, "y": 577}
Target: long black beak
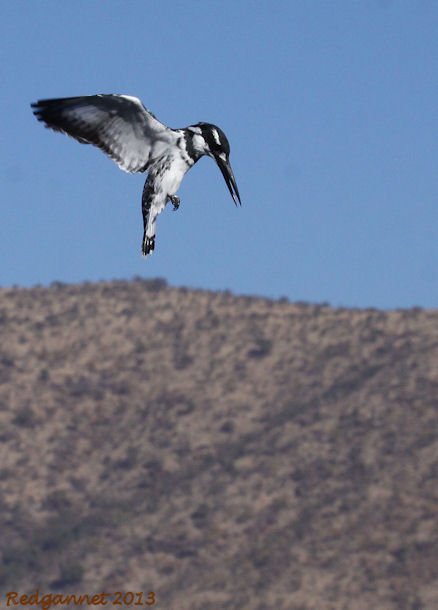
{"x": 229, "y": 178}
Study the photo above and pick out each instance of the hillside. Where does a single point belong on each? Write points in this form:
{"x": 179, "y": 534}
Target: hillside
{"x": 225, "y": 452}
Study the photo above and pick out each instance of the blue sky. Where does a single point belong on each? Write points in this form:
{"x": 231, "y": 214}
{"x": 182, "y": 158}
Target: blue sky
{"x": 331, "y": 109}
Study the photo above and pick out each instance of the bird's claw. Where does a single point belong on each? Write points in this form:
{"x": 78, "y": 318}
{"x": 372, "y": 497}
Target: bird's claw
{"x": 175, "y": 200}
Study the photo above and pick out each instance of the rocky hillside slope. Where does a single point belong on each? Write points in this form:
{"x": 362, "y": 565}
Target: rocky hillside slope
{"x": 223, "y": 452}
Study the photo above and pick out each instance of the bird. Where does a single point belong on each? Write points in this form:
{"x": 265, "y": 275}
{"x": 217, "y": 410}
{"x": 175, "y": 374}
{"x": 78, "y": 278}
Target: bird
{"x": 132, "y": 136}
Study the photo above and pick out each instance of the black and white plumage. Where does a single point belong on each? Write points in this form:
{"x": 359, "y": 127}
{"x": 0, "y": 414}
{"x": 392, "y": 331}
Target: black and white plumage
{"x": 137, "y": 141}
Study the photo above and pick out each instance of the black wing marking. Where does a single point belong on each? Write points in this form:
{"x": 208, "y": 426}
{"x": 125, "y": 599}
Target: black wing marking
{"x": 118, "y": 124}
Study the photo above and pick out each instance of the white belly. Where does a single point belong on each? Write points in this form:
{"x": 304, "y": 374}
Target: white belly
{"x": 173, "y": 176}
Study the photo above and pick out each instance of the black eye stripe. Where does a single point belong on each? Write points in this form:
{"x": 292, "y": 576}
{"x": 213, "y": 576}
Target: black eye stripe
{"x": 215, "y": 138}
{"x": 213, "y": 141}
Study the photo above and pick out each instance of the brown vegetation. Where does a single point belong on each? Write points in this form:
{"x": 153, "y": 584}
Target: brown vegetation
{"x": 225, "y": 452}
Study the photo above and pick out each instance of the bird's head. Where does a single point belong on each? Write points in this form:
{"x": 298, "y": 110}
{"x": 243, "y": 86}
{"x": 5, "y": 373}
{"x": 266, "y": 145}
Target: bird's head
{"x": 210, "y": 140}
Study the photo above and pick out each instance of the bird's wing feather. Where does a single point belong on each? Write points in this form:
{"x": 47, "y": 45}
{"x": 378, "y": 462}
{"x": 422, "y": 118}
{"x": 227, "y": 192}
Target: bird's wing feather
{"x": 118, "y": 124}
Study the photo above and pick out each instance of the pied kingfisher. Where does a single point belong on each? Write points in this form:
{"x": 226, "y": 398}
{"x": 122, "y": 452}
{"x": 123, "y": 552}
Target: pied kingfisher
{"x": 137, "y": 141}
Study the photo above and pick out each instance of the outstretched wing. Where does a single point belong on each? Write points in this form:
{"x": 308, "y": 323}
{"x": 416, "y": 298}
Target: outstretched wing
{"x": 118, "y": 124}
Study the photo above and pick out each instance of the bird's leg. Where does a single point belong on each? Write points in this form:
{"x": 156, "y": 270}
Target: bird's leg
{"x": 175, "y": 201}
